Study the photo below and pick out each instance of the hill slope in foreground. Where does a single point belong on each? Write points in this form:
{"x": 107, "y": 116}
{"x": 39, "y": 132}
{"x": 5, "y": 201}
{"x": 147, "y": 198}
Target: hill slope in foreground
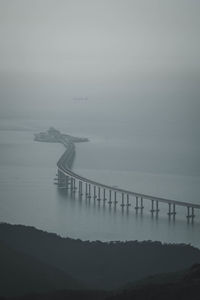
{"x": 36, "y": 261}
{"x": 20, "y": 273}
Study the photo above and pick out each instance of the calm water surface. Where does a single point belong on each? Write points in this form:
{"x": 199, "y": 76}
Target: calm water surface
{"x": 28, "y": 195}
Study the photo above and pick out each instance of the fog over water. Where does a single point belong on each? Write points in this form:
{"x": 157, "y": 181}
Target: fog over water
{"x": 126, "y": 74}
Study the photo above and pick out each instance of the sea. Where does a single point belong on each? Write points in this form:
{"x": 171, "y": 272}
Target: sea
{"x": 114, "y": 155}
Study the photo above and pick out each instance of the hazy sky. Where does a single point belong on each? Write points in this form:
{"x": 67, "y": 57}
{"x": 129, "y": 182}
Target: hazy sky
{"x": 96, "y": 36}
{"x": 131, "y": 59}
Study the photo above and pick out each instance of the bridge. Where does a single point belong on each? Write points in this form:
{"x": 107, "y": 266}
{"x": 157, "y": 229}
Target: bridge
{"x": 69, "y": 180}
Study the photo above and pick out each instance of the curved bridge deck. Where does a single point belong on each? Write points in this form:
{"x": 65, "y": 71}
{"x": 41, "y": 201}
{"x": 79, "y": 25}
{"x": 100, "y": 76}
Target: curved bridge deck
{"x": 68, "y": 179}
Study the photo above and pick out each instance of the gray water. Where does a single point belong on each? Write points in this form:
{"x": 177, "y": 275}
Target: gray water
{"x": 114, "y": 156}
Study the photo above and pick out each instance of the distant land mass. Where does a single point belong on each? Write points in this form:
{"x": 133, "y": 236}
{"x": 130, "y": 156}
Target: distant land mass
{"x": 34, "y": 261}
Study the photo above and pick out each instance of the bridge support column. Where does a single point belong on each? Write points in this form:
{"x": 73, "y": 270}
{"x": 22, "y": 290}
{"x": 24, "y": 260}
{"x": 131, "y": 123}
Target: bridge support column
{"x": 71, "y": 184}
{"x": 115, "y": 198}
{"x": 104, "y": 195}
{"x": 66, "y": 182}
{"x": 188, "y": 212}
{"x": 152, "y": 206}
{"x": 136, "y": 203}
{"x": 89, "y": 191}
{"x": 80, "y": 188}
{"x": 94, "y": 192}
{"x": 190, "y": 215}
{"x": 122, "y": 203}
{"x": 169, "y": 213}
{"x": 61, "y": 179}
{"x": 86, "y": 190}
{"x": 99, "y": 194}
{"x": 141, "y": 204}
{"x": 193, "y": 215}
{"x": 110, "y": 197}
{"x": 157, "y": 209}
{"x": 127, "y": 201}
{"x": 56, "y": 179}
{"x": 74, "y": 185}
{"x": 172, "y": 212}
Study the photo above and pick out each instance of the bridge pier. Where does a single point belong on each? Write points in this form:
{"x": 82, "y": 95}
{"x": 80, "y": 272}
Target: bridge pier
{"x": 104, "y": 195}
{"x": 80, "y": 188}
{"x": 141, "y": 204}
{"x": 190, "y": 215}
{"x": 66, "y": 182}
{"x": 61, "y": 180}
{"x": 110, "y": 197}
{"x": 56, "y": 179}
{"x": 127, "y": 201}
{"x": 89, "y": 191}
{"x": 152, "y": 206}
{"x": 86, "y": 190}
{"x": 115, "y": 199}
{"x": 122, "y": 203}
{"x": 172, "y": 212}
{"x": 94, "y": 189}
{"x": 99, "y": 194}
{"x": 74, "y": 185}
{"x": 136, "y": 203}
{"x": 71, "y": 184}
{"x": 156, "y": 210}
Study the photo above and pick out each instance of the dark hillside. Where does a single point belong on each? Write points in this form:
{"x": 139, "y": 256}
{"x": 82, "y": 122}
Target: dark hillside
{"x": 100, "y": 265}
{"x": 20, "y": 274}
{"x": 182, "y": 286}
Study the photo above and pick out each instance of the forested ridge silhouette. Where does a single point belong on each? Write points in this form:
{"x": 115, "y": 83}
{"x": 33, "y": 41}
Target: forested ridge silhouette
{"x": 37, "y": 262}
